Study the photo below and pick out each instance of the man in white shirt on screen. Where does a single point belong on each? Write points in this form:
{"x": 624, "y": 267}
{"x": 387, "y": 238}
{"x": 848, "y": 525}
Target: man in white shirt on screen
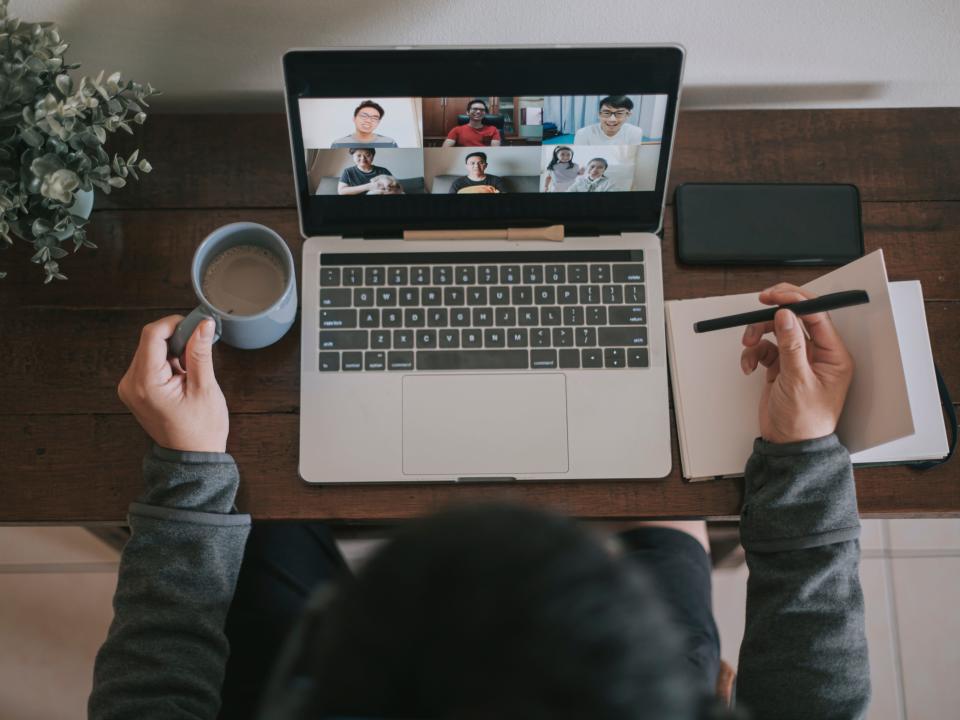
{"x": 613, "y": 128}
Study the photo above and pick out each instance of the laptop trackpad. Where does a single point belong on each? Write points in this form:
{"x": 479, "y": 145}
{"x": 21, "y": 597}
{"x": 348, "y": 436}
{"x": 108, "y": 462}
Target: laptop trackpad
{"x": 469, "y": 425}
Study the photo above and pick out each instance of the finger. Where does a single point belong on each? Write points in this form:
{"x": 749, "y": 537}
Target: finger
{"x": 153, "y": 350}
{"x": 199, "y": 356}
{"x": 765, "y": 353}
{"x": 818, "y": 325}
{"x": 791, "y": 346}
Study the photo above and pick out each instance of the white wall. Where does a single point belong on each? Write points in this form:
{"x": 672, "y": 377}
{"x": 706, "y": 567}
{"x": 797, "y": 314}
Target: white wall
{"x": 216, "y": 55}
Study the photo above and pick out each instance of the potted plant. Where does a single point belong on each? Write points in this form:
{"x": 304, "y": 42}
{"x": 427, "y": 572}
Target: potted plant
{"x": 52, "y": 133}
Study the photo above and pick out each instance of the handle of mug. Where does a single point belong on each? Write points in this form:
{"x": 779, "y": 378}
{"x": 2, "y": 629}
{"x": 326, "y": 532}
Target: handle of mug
{"x": 178, "y": 341}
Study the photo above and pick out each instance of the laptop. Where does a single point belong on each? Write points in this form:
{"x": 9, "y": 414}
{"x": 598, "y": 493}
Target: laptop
{"x": 450, "y": 330}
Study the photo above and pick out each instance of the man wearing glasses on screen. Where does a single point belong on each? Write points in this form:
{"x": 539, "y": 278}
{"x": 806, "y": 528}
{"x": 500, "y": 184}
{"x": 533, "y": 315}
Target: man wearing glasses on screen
{"x": 613, "y": 128}
{"x": 474, "y": 133}
{"x": 366, "y": 118}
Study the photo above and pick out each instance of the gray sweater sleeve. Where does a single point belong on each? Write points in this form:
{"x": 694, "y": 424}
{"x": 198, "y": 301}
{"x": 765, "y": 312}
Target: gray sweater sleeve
{"x": 804, "y": 650}
{"x": 165, "y": 652}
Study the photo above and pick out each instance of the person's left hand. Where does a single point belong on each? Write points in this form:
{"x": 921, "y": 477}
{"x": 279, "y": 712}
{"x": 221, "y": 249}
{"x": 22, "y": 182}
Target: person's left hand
{"x": 180, "y": 409}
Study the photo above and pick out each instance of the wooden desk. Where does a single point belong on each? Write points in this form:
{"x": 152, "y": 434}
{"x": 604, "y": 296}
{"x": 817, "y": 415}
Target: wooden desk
{"x": 70, "y": 452}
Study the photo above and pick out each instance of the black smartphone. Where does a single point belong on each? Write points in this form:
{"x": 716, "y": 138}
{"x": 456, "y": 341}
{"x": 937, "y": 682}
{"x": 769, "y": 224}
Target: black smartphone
{"x": 767, "y": 224}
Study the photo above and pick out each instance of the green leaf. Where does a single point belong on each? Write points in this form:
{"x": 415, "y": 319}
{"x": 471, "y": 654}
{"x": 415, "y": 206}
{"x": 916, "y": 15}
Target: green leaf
{"x": 144, "y": 166}
{"x": 31, "y": 137}
{"x": 117, "y": 182}
{"x": 100, "y": 133}
{"x": 64, "y": 85}
{"x": 58, "y": 252}
{"x": 133, "y": 157}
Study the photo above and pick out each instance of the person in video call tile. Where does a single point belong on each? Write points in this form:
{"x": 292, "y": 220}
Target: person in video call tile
{"x": 561, "y": 170}
{"x": 474, "y": 133}
{"x": 366, "y": 118}
{"x": 477, "y": 180}
{"x": 613, "y": 128}
{"x": 594, "y": 180}
{"x": 358, "y": 180}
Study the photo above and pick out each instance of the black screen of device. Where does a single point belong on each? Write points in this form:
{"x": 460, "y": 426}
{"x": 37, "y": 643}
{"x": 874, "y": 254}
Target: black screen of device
{"x": 500, "y": 71}
{"x": 754, "y": 224}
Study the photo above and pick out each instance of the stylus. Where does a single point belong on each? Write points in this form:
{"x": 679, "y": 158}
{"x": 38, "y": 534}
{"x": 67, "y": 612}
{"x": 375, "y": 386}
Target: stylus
{"x": 831, "y": 301}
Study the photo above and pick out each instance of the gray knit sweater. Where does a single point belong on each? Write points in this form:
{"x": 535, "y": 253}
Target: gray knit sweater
{"x": 804, "y": 652}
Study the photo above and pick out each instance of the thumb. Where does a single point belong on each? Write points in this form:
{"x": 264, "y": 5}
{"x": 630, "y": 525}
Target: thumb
{"x": 792, "y": 345}
{"x": 200, "y": 356}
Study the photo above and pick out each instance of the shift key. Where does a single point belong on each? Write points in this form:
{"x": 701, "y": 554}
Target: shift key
{"x": 343, "y": 339}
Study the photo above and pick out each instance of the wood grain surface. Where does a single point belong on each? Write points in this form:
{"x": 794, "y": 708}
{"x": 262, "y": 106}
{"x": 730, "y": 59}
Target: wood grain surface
{"x": 71, "y": 453}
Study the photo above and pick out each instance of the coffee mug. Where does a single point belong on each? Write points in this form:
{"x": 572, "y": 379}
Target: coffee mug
{"x": 244, "y": 277}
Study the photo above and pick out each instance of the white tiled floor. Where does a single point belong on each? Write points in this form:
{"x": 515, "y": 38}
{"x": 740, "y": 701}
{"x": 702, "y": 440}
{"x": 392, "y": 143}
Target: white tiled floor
{"x": 56, "y": 586}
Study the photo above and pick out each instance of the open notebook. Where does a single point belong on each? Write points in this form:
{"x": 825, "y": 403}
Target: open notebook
{"x": 892, "y": 413}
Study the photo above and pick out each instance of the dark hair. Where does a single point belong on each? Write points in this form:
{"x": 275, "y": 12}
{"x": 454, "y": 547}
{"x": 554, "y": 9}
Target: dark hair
{"x": 481, "y": 155}
{"x": 605, "y": 163}
{"x": 556, "y": 156}
{"x": 616, "y": 101}
{"x": 369, "y": 104}
{"x": 495, "y": 611}
{"x": 486, "y": 108}
{"x": 372, "y": 151}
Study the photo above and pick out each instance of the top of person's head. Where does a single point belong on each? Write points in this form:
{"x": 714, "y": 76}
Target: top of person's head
{"x": 481, "y": 155}
{"x": 478, "y": 101}
{"x": 599, "y": 160}
{"x": 616, "y": 101}
{"x": 369, "y": 104}
{"x": 371, "y": 151}
{"x": 556, "y": 156}
{"x": 493, "y": 611}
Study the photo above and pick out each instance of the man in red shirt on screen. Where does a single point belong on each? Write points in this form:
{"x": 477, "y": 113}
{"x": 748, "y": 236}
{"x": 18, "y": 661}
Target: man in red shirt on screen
{"x": 474, "y": 133}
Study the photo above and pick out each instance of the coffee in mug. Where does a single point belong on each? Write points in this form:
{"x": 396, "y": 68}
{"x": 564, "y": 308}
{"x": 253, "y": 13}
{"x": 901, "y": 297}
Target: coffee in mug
{"x": 244, "y": 280}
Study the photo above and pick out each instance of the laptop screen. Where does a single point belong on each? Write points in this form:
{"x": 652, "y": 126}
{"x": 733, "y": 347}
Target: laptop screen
{"x": 510, "y": 152}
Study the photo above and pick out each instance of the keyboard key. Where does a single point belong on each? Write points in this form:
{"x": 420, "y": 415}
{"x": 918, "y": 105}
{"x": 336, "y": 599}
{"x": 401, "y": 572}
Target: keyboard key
{"x": 391, "y": 318}
{"x": 437, "y": 317}
{"x": 471, "y": 338}
{"x": 472, "y": 360}
{"x": 517, "y": 337}
{"x": 375, "y": 360}
{"x": 589, "y": 294}
{"x": 567, "y": 294}
{"x": 369, "y": 318}
{"x": 353, "y": 276}
{"x": 540, "y": 337}
{"x": 431, "y": 296}
{"x": 543, "y": 359}
{"x": 634, "y": 294}
{"x": 386, "y": 297}
{"x": 573, "y": 315}
{"x": 597, "y": 315}
{"x": 409, "y": 297}
{"x": 544, "y": 295}
{"x": 569, "y": 358}
{"x": 449, "y": 338}
{"x": 460, "y": 317}
{"x": 628, "y": 273}
{"x": 637, "y": 357}
{"x": 330, "y": 277}
{"x": 612, "y": 294}
{"x": 374, "y": 276}
{"x": 343, "y": 339}
{"x": 522, "y": 295}
{"x": 426, "y": 339}
{"x": 562, "y": 337}
{"x": 591, "y": 358}
{"x": 338, "y": 318}
{"x": 628, "y": 315}
{"x": 494, "y": 338}
{"x": 477, "y": 296}
{"x": 500, "y": 295}
{"x": 453, "y": 296}
{"x": 555, "y": 274}
{"x": 528, "y": 316}
{"x": 577, "y": 273}
{"x": 403, "y": 339}
{"x": 397, "y": 275}
{"x": 488, "y": 274}
{"x": 600, "y": 273}
{"x": 550, "y": 315}
{"x": 400, "y": 360}
{"x": 380, "y": 340}
{"x": 329, "y": 361}
{"x": 586, "y": 336}
{"x": 533, "y": 274}
{"x": 353, "y": 361}
{"x": 614, "y": 358}
{"x": 335, "y": 298}
{"x": 363, "y": 297}
{"x": 419, "y": 275}
{"x": 483, "y": 317}
{"x": 442, "y": 275}
{"x": 414, "y": 317}
{"x": 466, "y": 275}
{"x": 510, "y": 274}
{"x": 622, "y": 336}
{"x": 505, "y": 317}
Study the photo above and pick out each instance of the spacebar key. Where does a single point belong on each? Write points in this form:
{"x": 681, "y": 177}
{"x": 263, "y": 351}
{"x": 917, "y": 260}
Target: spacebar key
{"x": 472, "y": 360}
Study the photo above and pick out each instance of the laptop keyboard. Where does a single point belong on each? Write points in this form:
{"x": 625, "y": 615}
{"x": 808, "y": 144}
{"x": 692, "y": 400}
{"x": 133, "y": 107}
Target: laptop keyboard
{"x": 482, "y": 316}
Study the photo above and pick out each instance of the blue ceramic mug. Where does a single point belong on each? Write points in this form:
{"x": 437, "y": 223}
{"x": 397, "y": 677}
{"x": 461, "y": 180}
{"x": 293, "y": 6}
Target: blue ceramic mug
{"x": 247, "y": 331}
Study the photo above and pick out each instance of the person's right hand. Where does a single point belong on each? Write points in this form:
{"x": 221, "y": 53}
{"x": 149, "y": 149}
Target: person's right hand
{"x": 807, "y": 380}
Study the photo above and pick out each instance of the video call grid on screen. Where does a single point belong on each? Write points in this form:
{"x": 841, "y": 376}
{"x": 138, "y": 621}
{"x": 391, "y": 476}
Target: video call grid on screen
{"x": 482, "y": 144}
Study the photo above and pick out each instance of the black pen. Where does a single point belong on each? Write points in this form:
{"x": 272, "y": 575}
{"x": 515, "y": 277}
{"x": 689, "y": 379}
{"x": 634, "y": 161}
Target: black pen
{"x": 831, "y": 301}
